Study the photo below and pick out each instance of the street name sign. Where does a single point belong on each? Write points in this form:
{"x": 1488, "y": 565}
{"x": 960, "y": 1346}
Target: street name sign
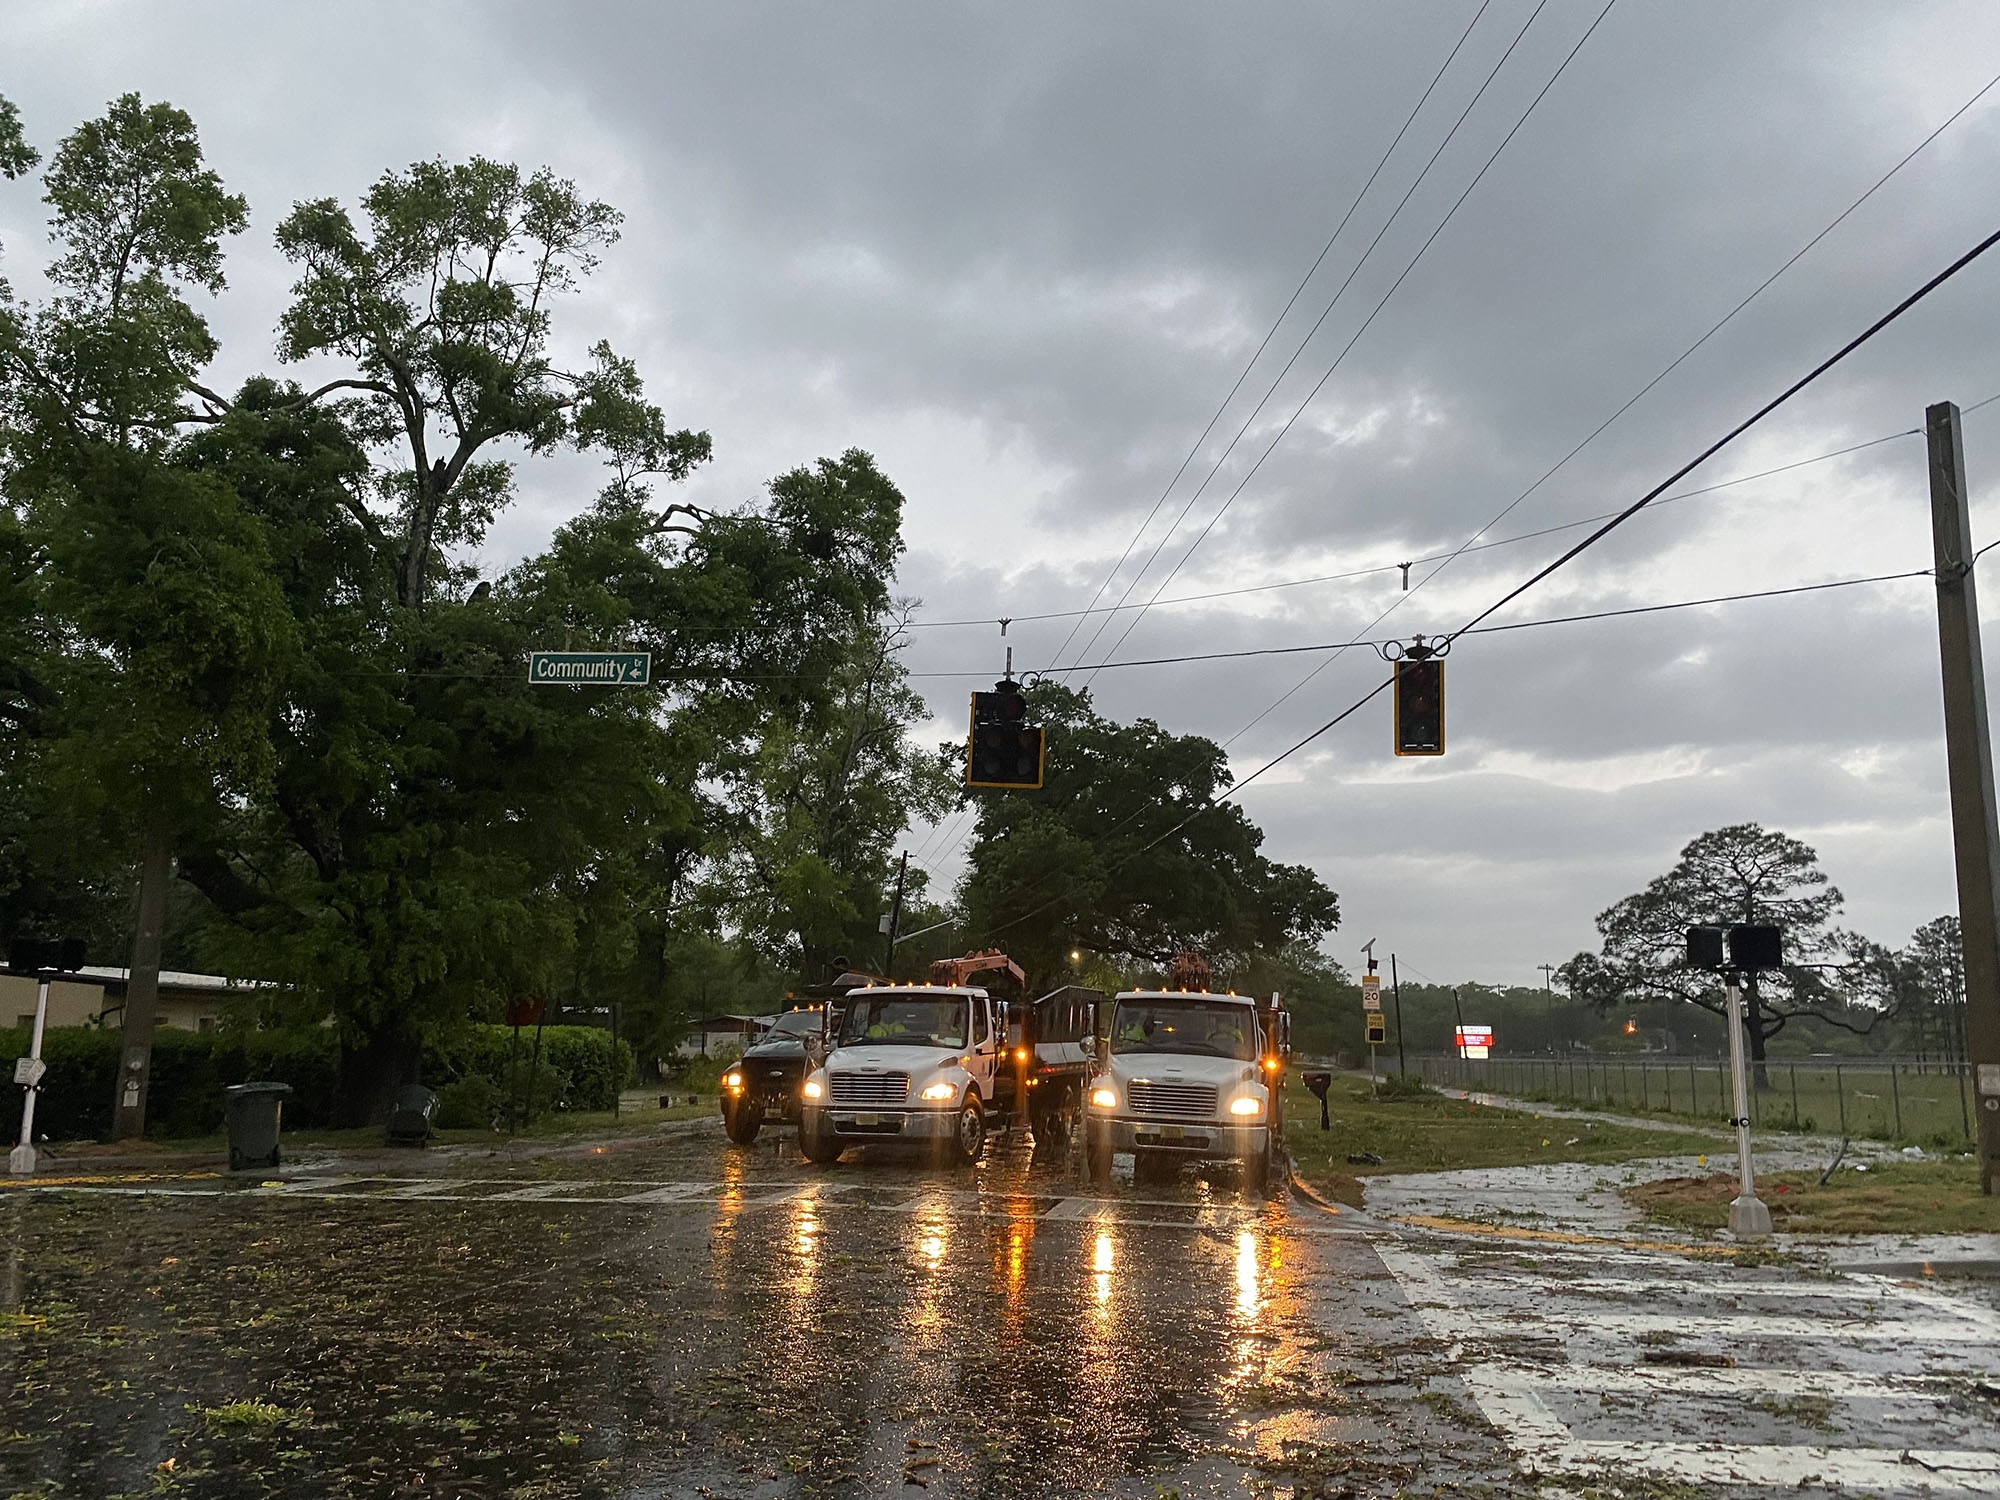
{"x": 591, "y": 668}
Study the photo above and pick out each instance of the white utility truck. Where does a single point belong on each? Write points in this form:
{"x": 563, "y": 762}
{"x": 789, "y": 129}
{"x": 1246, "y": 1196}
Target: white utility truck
{"x": 1188, "y": 1073}
{"x": 945, "y": 1063}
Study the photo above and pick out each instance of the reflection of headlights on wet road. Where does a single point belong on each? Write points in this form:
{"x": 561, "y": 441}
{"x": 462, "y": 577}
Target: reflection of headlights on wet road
{"x": 1246, "y": 1106}
{"x": 1104, "y": 1098}
{"x": 941, "y": 1091}
{"x": 813, "y": 1089}
{"x": 732, "y": 1080}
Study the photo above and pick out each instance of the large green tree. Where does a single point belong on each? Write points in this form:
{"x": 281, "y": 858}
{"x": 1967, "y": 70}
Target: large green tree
{"x": 1740, "y": 874}
{"x": 814, "y": 809}
{"x": 165, "y": 633}
{"x": 1126, "y": 852}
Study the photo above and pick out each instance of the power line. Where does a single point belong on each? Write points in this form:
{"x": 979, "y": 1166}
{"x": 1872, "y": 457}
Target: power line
{"x": 1740, "y": 428}
{"x": 1508, "y": 541}
{"x": 1601, "y": 614}
{"x": 1277, "y": 323}
{"x": 1640, "y": 393}
{"x": 1325, "y": 313}
{"x": 1369, "y": 321}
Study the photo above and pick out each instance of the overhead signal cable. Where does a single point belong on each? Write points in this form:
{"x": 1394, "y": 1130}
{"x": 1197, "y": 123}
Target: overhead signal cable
{"x": 1818, "y": 371}
{"x": 1325, "y": 313}
{"x": 1276, "y": 324}
{"x": 1601, "y": 614}
{"x": 1596, "y": 432}
{"x": 1832, "y": 360}
{"x": 1380, "y": 568}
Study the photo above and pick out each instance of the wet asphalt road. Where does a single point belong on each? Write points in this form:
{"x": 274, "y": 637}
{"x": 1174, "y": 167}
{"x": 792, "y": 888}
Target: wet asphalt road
{"x": 682, "y": 1318}
{"x": 752, "y": 1327}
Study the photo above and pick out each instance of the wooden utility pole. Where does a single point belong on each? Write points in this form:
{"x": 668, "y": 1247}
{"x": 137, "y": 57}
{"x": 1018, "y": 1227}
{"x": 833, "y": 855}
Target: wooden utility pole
{"x": 895, "y": 919}
{"x": 1969, "y": 758}
{"x": 142, "y": 986}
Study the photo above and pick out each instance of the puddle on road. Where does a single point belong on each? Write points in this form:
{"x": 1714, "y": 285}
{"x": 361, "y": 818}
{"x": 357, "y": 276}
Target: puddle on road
{"x": 280, "y": 1345}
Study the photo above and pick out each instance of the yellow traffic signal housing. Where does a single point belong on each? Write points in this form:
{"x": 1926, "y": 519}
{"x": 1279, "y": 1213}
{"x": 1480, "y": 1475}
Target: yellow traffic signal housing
{"x": 1001, "y": 748}
{"x": 1419, "y": 706}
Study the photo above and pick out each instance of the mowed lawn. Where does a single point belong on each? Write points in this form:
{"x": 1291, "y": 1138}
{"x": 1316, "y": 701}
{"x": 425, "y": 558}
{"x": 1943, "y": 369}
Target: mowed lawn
{"x": 1902, "y": 1197}
{"x": 1429, "y": 1132}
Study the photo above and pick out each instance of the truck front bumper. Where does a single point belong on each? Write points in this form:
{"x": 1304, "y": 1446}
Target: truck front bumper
{"x": 1194, "y": 1137}
{"x": 889, "y": 1124}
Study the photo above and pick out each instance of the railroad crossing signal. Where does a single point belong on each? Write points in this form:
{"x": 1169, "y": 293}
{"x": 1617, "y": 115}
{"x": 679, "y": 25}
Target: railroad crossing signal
{"x": 1002, "y": 748}
{"x": 1419, "y": 706}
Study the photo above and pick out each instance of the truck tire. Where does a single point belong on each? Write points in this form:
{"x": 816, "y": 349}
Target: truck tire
{"x": 1257, "y": 1172}
{"x": 821, "y": 1147}
{"x": 969, "y": 1137}
{"x": 740, "y": 1122}
{"x": 1097, "y": 1154}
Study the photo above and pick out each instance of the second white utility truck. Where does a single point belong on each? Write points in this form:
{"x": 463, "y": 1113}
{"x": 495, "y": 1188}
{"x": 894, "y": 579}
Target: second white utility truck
{"x": 1189, "y": 1073}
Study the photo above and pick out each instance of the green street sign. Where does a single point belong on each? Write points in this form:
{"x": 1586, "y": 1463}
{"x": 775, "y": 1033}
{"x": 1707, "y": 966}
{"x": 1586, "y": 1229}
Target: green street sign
{"x": 591, "y": 668}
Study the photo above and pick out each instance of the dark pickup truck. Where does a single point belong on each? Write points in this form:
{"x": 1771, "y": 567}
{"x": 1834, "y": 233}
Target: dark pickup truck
{"x": 763, "y": 1085}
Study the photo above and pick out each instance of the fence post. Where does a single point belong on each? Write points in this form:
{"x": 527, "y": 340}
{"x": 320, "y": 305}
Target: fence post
{"x": 1667, "y": 1077}
{"x": 1795, "y": 1097}
{"x": 1896, "y": 1093}
{"x": 1645, "y": 1084}
{"x": 1721, "y": 1085}
{"x": 1840, "y": 1088}
{"x": 1964, "y": 1114}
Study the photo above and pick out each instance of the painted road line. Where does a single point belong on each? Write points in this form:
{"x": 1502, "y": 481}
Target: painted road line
{"x": 424, "y": 1189}
{"x": 529, "y": 1194}
{"x": 1682, "y": 1380}
{"x": 1076, "y": 1208}
{"x": 1617, "y": 1321}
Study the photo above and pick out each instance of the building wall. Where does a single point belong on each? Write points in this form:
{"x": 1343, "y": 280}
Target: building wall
{"x": 81, "y": 1004}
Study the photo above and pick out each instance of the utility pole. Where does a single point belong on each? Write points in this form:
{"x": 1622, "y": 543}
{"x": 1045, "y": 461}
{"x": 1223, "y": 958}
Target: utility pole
{"x": 142, "y": 986}
{"x": 1548, "y": 979}
{"x": 895, "y": 918}
{"x": 29, "y": 1071}
{"x": 1396, "y": 988}
{"x": 1969, "y": 757}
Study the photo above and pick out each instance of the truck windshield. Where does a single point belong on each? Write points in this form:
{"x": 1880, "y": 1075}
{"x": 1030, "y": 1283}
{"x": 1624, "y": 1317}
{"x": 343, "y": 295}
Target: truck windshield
{"x": 1183, "y": 1024}
{"x": 907, "y": 1020}
{"x": 794, "y": 1023}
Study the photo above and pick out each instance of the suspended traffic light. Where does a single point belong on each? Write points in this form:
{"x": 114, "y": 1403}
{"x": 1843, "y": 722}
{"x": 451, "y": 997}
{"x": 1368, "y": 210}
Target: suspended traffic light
{"x": 1419, "y": 706}
{"x": 1002, "y": 748}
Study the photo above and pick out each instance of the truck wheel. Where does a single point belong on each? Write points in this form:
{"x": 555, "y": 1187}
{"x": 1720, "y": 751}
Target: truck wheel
{"x": 1257, "y": 1172}
{"x": 1097, "y": 1154}
{"x": 970, "y": 1137}
{"x": 821, "y": 1147}
{"x": 740, "y": 1122}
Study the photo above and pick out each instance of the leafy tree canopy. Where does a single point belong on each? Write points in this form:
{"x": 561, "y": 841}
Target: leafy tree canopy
{"x": 1123, "y": 852}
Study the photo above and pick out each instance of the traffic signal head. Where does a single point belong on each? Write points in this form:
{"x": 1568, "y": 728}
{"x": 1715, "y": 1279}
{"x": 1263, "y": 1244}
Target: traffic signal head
{"x": 1419, "y": 706}
{"x": 1003, "y": 749}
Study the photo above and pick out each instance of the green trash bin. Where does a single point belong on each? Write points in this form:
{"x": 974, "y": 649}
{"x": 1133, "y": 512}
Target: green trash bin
{"x": 254, "y": 1111}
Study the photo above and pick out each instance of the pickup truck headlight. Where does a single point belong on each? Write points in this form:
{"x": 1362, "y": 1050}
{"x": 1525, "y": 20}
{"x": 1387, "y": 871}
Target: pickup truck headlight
{"x": 941, "y": 1091}
{"x": 1104, "y": 1098}
{"x": 732, "y": 1080}
{"x": 813, "y": 1089}
{"x": 1246, "y": 1106}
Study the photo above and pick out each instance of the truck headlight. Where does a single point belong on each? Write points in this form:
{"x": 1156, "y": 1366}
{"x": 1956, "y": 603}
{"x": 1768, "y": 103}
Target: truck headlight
{"x": 1104, "y": 1098}
{"x": 813, "y": 1090}
{"x": 941, "y": 1091}
{"x": 1246, "y": 1106}
{"x": 732, "y": 1080}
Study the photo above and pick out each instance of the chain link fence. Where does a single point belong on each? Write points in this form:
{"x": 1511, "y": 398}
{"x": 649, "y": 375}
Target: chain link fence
{"x": 1896, "y": 1099}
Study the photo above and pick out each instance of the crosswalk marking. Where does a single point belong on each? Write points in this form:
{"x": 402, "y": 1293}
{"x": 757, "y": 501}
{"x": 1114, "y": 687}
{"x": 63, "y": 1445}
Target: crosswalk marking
{"x": 1518, "y": 1396}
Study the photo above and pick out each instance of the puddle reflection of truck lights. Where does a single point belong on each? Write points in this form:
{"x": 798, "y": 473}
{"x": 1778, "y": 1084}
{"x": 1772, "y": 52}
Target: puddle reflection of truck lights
{"x": 1247, "y": 1288}
{"x": 1101, "y": 1264}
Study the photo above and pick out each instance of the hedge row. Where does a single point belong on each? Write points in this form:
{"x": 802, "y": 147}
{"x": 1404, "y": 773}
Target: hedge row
{"x": 191, "y": 1070}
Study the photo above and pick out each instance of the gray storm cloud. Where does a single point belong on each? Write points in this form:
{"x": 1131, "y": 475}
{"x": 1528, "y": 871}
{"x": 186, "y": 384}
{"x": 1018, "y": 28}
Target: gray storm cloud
{"x": 1022, "y": 252}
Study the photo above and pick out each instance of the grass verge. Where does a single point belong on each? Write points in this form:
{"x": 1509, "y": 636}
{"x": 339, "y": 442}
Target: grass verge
{"x": 1428, "y": 1132}
{"x": 1914, "y": 1197}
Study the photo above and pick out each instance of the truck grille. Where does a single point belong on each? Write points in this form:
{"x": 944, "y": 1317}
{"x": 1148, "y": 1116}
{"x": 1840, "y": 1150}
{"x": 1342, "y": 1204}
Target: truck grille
{"x": 874, "y": 1088}
{"x": 1188, "y": 1101}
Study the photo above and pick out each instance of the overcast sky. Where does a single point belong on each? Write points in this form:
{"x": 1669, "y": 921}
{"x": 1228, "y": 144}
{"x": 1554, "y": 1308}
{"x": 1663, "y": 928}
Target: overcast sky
{"x": 1022, "y": 253}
